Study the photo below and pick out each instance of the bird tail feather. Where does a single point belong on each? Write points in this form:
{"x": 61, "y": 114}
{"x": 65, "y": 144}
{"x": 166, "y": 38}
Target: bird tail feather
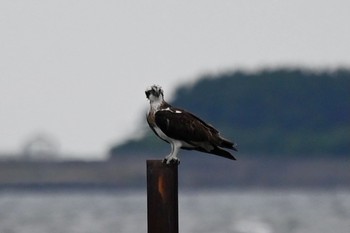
{"x": 223, "y": 153}
{"x": 227, "y": 144}
{"x": 217, "y": 151}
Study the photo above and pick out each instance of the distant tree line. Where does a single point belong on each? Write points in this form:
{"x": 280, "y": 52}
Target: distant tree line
{"x": 279, "y": 112}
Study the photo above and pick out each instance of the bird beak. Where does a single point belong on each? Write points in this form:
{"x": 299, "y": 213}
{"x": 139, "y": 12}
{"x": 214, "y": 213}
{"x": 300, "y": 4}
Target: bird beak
{"x": 147, "y": 94}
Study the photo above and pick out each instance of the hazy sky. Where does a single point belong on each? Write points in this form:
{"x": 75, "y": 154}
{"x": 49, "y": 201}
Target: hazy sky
{"x": 77, "y": 70}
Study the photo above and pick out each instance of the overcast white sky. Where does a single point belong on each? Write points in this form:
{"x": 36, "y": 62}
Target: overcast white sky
{"x": 77, "y": 69}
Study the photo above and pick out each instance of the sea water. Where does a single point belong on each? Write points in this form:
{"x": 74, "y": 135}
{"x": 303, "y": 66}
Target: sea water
{"x": 236, "y": 211}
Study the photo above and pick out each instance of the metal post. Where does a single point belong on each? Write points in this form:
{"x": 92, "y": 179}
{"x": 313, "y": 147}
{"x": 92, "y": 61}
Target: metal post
{"x": 162, "y": 197}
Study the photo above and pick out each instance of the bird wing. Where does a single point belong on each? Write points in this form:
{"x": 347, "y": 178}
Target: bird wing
{"x": 182, "y": 125}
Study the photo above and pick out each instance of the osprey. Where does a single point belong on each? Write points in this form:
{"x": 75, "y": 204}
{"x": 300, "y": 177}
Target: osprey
{"x": 182, "y": 129}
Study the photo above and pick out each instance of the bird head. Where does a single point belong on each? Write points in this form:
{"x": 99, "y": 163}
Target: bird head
{"x": 154, "y": 93}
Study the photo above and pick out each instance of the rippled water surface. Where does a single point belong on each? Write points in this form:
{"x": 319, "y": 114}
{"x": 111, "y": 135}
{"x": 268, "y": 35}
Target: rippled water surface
{"x": 200, "y": 211}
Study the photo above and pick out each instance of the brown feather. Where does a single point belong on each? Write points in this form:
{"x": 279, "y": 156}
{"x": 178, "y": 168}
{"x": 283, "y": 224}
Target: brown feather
{"x": 194, "y": 131}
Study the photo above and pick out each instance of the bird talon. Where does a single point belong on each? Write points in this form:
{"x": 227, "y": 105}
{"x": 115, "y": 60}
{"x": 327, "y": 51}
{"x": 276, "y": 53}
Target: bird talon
{"x": 171, "y": 161}
{"x": 175, "y": 161}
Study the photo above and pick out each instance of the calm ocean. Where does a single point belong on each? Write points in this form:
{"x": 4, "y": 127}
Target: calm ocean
{"x": 252, "y": 211}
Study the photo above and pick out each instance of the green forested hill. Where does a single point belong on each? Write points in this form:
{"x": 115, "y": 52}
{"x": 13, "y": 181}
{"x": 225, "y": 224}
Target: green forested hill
{"x": 272, "y": 112}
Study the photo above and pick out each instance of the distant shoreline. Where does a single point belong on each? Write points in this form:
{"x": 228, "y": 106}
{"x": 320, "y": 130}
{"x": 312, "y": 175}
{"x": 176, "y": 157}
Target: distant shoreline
{"x": 207, "y": 173}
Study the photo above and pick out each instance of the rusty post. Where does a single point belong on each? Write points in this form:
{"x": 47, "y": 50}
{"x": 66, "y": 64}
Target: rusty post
{"x": 162, "y": 197}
